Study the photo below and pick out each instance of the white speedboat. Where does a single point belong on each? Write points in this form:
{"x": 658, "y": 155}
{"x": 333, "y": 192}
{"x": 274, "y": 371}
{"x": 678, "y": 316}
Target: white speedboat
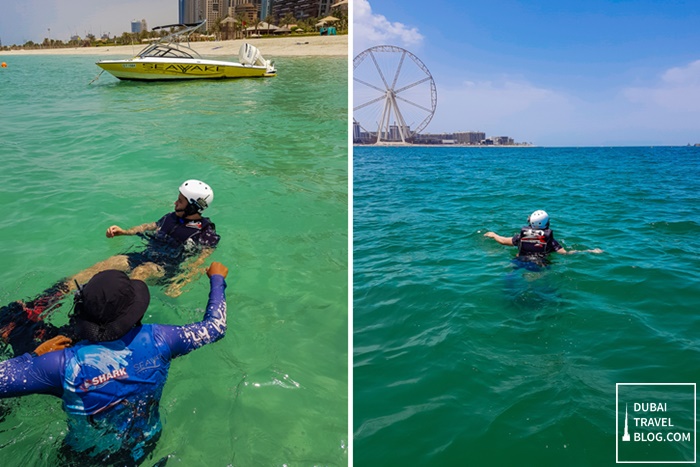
{"x": 171, "y": 59}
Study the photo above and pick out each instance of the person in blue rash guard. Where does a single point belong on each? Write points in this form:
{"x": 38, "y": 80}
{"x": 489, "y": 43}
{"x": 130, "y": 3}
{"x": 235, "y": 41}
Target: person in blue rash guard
{"x": 536, "y": 240}
{"x": 177, "y": 246}
{"x": 111, "y": 380}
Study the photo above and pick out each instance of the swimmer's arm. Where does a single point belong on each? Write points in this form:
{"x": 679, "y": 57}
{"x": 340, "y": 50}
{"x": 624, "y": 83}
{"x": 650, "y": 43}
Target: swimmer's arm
{"x": 182, "y": 340}
{"x": 24, "y": 375}
{"x": 189, "y": 272}
{"x": 502, "y": 240}
{"x": 562, "y": 251}
{"x": 115, "y": 230}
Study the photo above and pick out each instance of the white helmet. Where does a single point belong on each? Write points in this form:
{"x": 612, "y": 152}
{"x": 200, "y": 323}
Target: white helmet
{"x": 538, "y": 220}
{"x": 199, "y": 194}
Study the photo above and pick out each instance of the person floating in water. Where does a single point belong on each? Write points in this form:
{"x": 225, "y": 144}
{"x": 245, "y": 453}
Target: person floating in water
{"x": 112, "y": 379}
{"x": 177, "y": 246}
{"x": 176, "y": 237}
{"x": 536, "y": 240}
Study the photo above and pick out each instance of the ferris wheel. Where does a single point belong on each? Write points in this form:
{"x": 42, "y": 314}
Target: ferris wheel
{"x": 394, "y": 95}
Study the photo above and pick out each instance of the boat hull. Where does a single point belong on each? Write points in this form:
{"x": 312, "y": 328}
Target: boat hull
{"x": 160, "y": 70}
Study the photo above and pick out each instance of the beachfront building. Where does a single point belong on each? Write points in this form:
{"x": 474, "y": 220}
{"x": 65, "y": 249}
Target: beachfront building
{"x": 191, "y": 11}
{"x": 247, "y": 11}
{"x": 324, "y": 7}
{"x": 328, "y": 7}
{"x": 502, "y": 140}
{"x": 194, "y": 11}
{"x": 139, "y": 26}
{"x": 213, "y": 12}
{"x": 393, "y": 135}
{"x": 466, "y": 138}
{"x": 356, "y": 132}
{"x": 300, "y": 9}
{"x": 265, "y": 8}
{"x": 469, "y": 137}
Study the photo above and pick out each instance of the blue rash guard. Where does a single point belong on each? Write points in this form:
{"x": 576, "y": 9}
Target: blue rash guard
{"x": 111, "y": 390}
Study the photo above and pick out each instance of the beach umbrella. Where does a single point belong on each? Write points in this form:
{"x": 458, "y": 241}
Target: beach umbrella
{"x": 340, "y": 3}
{"x": 329, "y": 19}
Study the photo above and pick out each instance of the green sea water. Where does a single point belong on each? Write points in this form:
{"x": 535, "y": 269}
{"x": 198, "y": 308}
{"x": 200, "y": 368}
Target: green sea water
{"x": 76, "y": 158}
{"x": 463, "y": 357}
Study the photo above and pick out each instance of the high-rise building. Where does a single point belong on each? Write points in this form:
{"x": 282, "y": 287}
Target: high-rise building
{"x": 265, "y": 8}
{"x": 214, "y": 12}
{"x": 300, "y": 9}
{"x": 324, "y": 7}
{"x": 191, "y": 11}
{"x": 249, "y": 11}
{"x": 469, "y": 137}
{"x": 139, "y": 26}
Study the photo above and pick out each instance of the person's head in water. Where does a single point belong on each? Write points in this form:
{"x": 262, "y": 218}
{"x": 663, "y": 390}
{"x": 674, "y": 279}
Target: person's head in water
{"x": 195, "y": 196}
{"x": 538, "y": 220}
{"x": 109, "y": 305}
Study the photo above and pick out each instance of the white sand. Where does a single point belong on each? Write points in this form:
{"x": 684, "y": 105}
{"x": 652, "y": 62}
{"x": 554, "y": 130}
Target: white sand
{"x": 269, "y": 47}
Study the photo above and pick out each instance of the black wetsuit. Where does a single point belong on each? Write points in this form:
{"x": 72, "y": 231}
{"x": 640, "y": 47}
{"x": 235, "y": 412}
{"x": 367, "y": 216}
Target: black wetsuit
{"x": 174, "y": 240}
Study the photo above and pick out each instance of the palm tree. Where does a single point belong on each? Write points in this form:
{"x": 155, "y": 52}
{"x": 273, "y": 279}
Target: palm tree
{"x": 268, "y": 20}
{"x": 216, "y": 27}
{"x": 125, "y": 38}
{"x": 288, "y": 19}
{"x": 342, "y": 17}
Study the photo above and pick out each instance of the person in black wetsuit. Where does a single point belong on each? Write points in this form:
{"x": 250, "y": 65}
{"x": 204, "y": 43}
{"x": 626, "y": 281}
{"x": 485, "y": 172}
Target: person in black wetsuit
{"x": 536, "y": 240}
{"x": 177, "y": 247}
{"x": 112, "y": 379}
{"x": 176, "y": 237}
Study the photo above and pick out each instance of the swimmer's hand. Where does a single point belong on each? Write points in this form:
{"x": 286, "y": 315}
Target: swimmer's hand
{"x": 217, "y": 268}
{"x": 114, "y": 231}
{"x": 490, "y": 234}
{"x": 596, "y": 251}
{"x": 57, "y": 343}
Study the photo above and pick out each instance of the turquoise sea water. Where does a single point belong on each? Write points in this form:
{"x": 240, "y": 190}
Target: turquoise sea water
{"x": 77, "y": 158}
{"x": 462, "y": 358}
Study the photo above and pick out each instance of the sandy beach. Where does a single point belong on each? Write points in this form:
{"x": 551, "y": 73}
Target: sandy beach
{"x": 269, "y": 47}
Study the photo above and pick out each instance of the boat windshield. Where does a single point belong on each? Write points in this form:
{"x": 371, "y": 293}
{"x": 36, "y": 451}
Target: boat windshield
{"x": 164, "y": 50}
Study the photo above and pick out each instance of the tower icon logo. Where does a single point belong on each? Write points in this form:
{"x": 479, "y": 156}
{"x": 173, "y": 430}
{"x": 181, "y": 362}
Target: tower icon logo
{"x": 626, "y": 435}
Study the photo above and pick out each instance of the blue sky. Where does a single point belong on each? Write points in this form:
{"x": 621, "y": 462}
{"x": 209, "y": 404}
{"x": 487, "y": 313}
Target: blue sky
{"x": 25, "y": 20}
{"x": 554, "y": 73}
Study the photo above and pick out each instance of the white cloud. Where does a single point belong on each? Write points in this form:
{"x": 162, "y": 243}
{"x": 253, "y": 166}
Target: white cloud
{"x": 372, "y": 29}
{"x": 678, "y": 90}
{"x": 666, "y": 113}
{"x": 504, "y": 106}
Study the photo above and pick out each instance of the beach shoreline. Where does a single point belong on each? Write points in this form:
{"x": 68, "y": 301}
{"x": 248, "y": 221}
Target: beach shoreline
{"x": 323, "y": 46}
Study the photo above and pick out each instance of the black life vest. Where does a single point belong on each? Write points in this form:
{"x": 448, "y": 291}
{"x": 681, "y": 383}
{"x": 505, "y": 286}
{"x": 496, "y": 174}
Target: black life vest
{"x": 177, "y": 231}
{"x": 534, "y": 241}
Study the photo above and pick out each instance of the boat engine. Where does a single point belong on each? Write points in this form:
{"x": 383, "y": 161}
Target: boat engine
{"x": 250, "y": 55}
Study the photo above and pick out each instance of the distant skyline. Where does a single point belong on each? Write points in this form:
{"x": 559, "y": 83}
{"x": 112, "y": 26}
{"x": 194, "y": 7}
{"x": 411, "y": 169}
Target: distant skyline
{"x": 30, "y": 20}
{"x": 552, "y": 72}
